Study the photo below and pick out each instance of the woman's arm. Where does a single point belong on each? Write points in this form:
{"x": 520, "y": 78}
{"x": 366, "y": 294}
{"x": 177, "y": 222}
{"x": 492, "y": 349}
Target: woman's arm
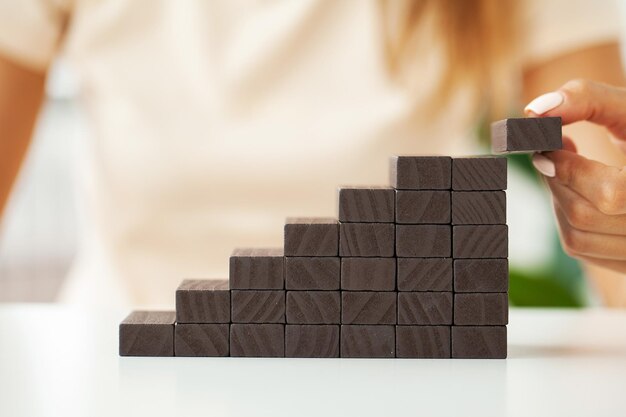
{"x": 21, "y": 94}
{"x": 600, "y": 63}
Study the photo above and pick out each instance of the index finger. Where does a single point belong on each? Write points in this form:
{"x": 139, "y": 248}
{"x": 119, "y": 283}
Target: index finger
{"x": 579, "y": 100}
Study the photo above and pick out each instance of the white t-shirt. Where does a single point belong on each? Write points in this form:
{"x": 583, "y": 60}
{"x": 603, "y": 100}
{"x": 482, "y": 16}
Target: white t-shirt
{"x": 214, "y": 120}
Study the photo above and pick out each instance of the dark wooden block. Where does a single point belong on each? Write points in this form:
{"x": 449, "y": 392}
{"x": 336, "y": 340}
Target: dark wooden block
{"x": 257, "y": 340}
{"x": 486, "y": 241}
{"x": 478, "y": 207}
{"x": 368, "y": 307}
{"x": 147, "y": 333}
{"x": 422, "y": 207}
{"x": 423, "y": 342}
{"x": 312, "y": 273}
{"x": 368, "y": 341}
{"x": 257, "y": 306}
{"x": 479, "y": 173}
{"x": 311, "y": 341}
{"x": 313, "y": 307}
{"x": 366, "y": 205}
{"x": 481, "y": 275}
{"x": 203, "y": 301}
{"x": 366, "y": 239}
{"x": 479, "y": 342}
{"x": 424, "y": 274}
{"x": 481, "y": 309}
{"x": 421, "y": 172}
{"x": 368, "y": 274}
{"x": 423, "y": 241}
{"x": 533, "y": 134}
{"x": 257, "y": 269}
{"x": 311, "y": 237}
{"x": 193, "y": 339}
{"x": 425, "y": 308}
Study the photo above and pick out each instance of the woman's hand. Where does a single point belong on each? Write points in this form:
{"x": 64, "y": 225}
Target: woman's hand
{"x": 589, "y": 197}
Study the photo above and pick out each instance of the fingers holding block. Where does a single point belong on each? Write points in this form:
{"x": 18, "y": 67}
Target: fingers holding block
{"x": 533, "y": 134}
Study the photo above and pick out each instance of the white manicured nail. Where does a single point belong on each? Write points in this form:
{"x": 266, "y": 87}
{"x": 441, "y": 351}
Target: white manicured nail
{"x": 545, "y": 103}
{"x": 544, "y": 165}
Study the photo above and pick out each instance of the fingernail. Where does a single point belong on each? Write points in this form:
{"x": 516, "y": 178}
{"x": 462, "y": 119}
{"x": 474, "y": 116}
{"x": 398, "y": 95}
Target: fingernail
{"x": 544, "y": 165}
{"x": 545, "y": 103}
{"x": 619, "y": 143}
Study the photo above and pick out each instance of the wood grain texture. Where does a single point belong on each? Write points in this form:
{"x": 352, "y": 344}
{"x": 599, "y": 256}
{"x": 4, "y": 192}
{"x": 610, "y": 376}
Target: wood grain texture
{"x": 257, "y": 269}
{"x": 257, "y": 340}
{"x": 195, "y": 339}
{"x": 371, "y": 205}
{"x": 528, "y": 134}
{"x": 318, "y": 236}
{"x": 421, "y": 172}
{"x": 485, "y": 241}
{"x": 147, "y": 333}
{"x": 255, "y": 306}
{"x": 478, "y": 207}
{"x": 424, "y": 274}
{"x": 480, "y": 173}
{"x": 479, "y": 342}
{"x": 368, "y": 341}
{"x": 368, "y": 274}
{"x": 366, "y": 239}
{"x": 481, "y": 275}
{"x": 481, "y": 309}
{"x": 423, "y": 241}
{"x": 423, "y": 342}
{"x": 422, "y": 207}
{"x": 368, "y": 307}
{"x": 313, "y": 307}
{"x": 203, "y": 301}
{"x": 425, "y": 308}
{"x": 312, "y": 273}
{"x": 311, "y": 341}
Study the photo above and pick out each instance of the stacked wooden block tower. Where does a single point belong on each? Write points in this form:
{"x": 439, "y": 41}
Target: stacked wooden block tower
{"x": 415, "y": 270}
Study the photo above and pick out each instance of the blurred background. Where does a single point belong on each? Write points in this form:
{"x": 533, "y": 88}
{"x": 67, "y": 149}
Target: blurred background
{"x": 39, "y": 234}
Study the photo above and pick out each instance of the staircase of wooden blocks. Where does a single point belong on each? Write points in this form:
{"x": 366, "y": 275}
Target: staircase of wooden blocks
{"x": 415, "y": 270}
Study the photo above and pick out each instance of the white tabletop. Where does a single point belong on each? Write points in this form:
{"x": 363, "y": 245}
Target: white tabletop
{"x": 55, "y": 361}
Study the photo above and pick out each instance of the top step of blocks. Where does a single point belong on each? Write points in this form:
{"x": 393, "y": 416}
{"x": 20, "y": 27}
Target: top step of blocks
{"x": 534, "y": 134}
{"x": 421, "y": 172}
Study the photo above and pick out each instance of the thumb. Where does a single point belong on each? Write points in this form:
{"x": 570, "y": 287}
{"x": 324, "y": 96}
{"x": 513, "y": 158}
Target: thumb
{"x": 579, "y": 100}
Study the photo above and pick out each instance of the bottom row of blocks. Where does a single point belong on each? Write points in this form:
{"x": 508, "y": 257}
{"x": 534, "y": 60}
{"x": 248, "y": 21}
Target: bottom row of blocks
{"x": 312, "y": 341}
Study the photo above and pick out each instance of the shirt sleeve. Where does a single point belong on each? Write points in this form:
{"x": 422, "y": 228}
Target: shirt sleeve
{"x": 555, "y": 27}
{"x": 31, "y": 30}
